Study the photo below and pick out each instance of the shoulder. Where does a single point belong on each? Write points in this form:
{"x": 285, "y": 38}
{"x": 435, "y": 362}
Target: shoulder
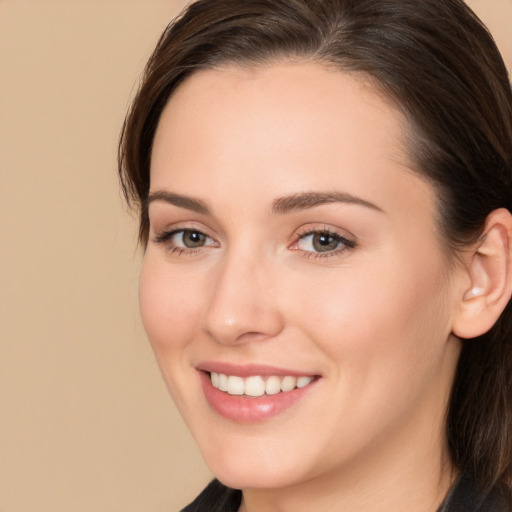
{"x": 216, "y": 497}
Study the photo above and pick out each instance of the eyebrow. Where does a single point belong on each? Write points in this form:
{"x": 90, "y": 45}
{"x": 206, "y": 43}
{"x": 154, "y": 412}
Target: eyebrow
{"x": 189, "y": 203}
{"x": 303, "y": 201}
{"x": 280, "y": 206}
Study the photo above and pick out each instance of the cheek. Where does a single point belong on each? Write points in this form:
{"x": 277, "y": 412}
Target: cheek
{"x": 385, "y": 341}
{"x": 170, "y": 312}
{"x": 169, "y": 306}
{"x": 391, "y": 321}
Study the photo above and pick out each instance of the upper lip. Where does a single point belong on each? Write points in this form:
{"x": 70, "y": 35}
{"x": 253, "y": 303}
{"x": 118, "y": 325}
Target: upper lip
{"x": 248, "y": 370}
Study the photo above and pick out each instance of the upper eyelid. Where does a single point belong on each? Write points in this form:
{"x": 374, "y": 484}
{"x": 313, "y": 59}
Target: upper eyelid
{"x": 180, "y": 226}
{"x": 165, "y": 220}
{"x": 168, "y": 233}
{"x": 342, "y": 233}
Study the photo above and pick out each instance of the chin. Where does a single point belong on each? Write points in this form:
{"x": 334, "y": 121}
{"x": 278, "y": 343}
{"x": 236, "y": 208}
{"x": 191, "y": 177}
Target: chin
{"x": 255, "y": 462}
{"x": 241, "y": 475}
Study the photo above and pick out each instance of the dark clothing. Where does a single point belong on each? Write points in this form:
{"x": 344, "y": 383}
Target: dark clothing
{"x": 216, "y": 498}
{"x": 463, "y": 497}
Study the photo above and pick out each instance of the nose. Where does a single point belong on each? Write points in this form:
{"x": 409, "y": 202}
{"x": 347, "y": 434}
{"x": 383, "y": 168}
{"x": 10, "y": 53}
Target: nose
{"x": 243, "y": 303}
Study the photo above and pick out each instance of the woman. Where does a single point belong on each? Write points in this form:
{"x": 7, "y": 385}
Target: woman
{"x": 325, "y": 191}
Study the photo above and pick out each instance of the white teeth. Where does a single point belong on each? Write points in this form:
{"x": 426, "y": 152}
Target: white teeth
{"x": 303, "y": 381}
{"x": 273, "y": 385}
{"x": 235, "y": 385}
{"x": 223, "y": 382}
{"x": 288, "y": 383}
{"x": 256, "y": 385}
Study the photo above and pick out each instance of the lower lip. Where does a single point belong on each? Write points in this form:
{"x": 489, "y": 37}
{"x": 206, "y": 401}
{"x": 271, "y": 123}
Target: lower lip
{"x": 243, "y": 409}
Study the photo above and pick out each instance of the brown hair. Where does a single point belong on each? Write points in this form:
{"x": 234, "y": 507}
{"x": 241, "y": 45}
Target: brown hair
{"x": 438, "y": 63}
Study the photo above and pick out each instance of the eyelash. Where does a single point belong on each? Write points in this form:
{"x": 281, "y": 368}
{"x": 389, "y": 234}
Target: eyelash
{"x": 165, "y": 238}
{"x": 346, "y": 244}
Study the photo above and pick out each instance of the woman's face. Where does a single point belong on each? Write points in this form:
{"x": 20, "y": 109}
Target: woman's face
{"x": 292, "y": 245}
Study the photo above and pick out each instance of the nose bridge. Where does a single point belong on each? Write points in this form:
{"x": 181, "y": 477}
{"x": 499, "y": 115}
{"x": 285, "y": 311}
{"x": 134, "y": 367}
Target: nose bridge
{"x": 241, "y": 305}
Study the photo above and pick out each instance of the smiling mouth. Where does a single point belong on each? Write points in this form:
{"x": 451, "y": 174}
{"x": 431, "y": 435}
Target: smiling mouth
{"x": 255, "y": 386}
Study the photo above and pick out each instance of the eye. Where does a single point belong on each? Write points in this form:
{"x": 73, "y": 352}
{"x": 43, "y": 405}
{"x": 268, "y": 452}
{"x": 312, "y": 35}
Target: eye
{"x": 185, "y": 239}
{"x": 189, "y": 239}
{"x": 323, "y": 241}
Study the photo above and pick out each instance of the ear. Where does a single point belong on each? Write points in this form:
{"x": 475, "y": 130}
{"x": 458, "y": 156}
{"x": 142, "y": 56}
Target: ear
{"x": 489, "y": 268}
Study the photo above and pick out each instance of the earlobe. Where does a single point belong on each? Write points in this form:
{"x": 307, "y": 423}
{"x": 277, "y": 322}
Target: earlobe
{"x": 489, "y": 270}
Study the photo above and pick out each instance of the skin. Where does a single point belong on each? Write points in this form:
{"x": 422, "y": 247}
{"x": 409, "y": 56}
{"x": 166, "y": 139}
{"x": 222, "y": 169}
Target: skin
{"x": 374, "y": 321}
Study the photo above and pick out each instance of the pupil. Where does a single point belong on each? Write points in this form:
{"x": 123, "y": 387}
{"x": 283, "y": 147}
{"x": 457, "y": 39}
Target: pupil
{"x": 193, "y": 239}
{"x": 323, "y": 242}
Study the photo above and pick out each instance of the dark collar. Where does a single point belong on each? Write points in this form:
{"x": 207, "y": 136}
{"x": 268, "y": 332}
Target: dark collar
{"x": 465, "y": 497}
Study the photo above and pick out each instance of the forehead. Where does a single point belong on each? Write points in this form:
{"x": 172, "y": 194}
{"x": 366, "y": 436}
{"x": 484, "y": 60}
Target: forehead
{"x": 275, "y": 96}
{"x": 282, "y": 128}
{"x": 304, "y": 88}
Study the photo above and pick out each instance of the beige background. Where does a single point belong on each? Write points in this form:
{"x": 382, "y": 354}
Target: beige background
{"x": 85, "y": 421}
